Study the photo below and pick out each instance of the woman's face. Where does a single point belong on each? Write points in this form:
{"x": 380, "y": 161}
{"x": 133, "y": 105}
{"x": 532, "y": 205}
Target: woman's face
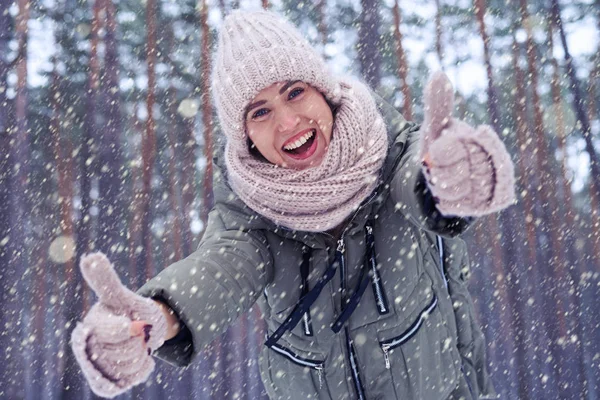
{"x": 290, "y": 123}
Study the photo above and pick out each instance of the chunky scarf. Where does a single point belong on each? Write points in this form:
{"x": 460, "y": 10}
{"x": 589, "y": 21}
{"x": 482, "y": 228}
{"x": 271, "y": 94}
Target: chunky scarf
{"x": 319, "y": 198}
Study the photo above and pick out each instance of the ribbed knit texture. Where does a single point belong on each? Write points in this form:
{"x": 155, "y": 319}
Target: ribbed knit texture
{"x": 318, "y": 198}
{"x": 255, "y": 50}
{"x": 111, "y": 359}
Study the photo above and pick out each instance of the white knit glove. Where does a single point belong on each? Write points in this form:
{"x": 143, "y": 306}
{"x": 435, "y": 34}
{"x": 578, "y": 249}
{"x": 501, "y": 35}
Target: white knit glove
{"x": 113, "y": 351}
{"x": 468, "y": 170}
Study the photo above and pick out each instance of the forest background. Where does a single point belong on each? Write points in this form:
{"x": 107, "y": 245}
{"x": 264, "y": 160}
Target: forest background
{"x": 106, "y": 142}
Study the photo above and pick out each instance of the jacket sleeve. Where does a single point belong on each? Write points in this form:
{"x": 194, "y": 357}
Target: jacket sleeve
{"x": 412, "y": 196}
{"x": 210, "y": 288}
{"x": 470, "y": 339}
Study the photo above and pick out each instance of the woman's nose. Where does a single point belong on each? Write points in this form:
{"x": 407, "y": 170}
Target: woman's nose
{"x": 287, "y": 119}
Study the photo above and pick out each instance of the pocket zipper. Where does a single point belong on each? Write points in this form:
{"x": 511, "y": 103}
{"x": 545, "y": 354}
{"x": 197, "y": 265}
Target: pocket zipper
{"x": 390, "y": 344}
{"x": 293, "y": 357}
{"x": 381, "y": 298}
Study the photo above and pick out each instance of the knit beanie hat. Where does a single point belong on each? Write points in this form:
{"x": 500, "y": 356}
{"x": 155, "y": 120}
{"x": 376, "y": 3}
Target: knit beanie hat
{"x": 255, "y": 50}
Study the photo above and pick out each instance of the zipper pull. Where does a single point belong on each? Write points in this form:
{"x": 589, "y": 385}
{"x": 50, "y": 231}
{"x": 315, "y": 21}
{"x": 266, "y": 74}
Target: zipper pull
{"x": 306, "y": 326}
{"x": 320, "y": 373}
{"x": 341, "y": 246}
{"x": 386, "y": 356}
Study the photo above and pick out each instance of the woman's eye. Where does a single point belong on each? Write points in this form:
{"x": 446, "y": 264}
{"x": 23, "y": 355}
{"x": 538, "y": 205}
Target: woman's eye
{"x": 260, "y": 113}
{"x": 295, "y": 92}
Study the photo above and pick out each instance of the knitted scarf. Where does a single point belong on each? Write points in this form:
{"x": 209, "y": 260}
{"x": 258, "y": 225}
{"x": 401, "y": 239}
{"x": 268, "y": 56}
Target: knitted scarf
{"x": 318, "y": 198}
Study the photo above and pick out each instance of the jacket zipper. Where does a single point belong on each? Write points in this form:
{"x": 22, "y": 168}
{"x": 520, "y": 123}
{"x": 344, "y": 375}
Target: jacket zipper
{"x": 441, "y": 251}
{"x": 381, "y": 299}
{"x": 399, "y": 340}
{"x": 341, "y": 247}
{"x": 290, "y": 355}
{"x": 307, "y": 324}
{"x": 306, "y": 319}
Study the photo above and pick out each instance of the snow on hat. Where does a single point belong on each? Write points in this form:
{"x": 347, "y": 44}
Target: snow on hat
{"x": 255, "y": 50}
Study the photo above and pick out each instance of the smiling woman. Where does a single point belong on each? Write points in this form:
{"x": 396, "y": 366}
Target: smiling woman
{"x": 330, "y": 198}
{"x": 290, "y": 124}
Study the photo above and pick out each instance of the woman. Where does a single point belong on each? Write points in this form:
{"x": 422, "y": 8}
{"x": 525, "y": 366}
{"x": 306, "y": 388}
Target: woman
{"x": 328, "y": 215}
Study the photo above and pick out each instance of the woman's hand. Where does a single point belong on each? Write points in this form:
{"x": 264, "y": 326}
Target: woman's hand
{"x": 468, "y": 170}
{"x": 114, "y": 342}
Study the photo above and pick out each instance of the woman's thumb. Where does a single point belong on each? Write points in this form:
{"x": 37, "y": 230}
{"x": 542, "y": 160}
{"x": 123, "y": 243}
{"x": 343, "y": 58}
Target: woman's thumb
{"x": 100, "y": 275}
{"x": 438, "y": 105}
{"x": 140, "y": 328}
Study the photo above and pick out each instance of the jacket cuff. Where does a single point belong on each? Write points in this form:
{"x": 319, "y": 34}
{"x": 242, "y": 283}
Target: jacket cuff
{"x": 178, "y": 350}
{"x": 445, "y": 225}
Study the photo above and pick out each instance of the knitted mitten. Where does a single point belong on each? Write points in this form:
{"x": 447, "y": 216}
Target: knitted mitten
{"x": 468, "y": 170}
{"x": 111, "y": 357}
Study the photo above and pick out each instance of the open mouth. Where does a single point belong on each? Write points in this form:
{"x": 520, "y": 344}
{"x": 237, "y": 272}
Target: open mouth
{"x": 303, "y": 147}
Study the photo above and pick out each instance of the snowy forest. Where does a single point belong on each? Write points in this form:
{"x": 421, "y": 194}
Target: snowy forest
{"x": 106, "y": 143}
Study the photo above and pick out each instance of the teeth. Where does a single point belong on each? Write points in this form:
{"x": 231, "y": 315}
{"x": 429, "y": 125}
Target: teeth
{"x": 300, "y": 141}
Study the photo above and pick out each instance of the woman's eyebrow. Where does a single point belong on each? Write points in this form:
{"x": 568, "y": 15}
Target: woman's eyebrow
{"x": 261, "y": 102}
{"x": 287, "y": 85}
{"x": 253, "y": 105}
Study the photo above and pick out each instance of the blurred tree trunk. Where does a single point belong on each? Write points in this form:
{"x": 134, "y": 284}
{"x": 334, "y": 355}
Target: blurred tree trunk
{"x": 39, "y": 296}
{"x": 556, "y": 295}
{"x": 594, "y": 115}
{"x": 189, "y": 178}
{"x": 507, "y": 218}
{"x": 10, "y": 244}
{"x": 321, "y": 22}
{"x": 402, "y": 64}
{"x": 265, "y": 4}
{"x": 63, "y": 153}
{"x": 17, "y": 243}
{"x": 496, "y": 320}
{"x": 149, "y": 142}
{"x": 175, "y": 195}
{"x": 439, "y": 47}
{"x": 72, "y": 386}
{"x": 135, "y": 208}
{"x": 579, "y": 102}
{"x": 594, "y": 199}
{"x": 185, "y": 386}
{"x": 527, "y": 363}
{"x": 88, "y": 145}
{"x": 368, "y": 43}
{"x": 110, "y": 157}
{"x": 145, "y": 259}
{"x": 590, "y": 288}
{"x": 567, "y": 233}
{"x": 207, "y": 122}
{"x": 480, "y": 11}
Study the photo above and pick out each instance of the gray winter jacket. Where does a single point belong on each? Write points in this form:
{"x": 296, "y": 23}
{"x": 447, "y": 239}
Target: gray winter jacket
{"x": 381, "y": 312}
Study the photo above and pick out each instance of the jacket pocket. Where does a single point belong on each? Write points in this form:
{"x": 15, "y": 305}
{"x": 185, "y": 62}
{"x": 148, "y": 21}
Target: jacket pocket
{"x": 419, "y": 355}
{"x": 398, "y": 275}
{"x": 288, "y": 373}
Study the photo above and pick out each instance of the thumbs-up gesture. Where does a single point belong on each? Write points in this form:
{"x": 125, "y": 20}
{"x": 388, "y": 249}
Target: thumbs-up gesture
{"x": 114, "y": 342}
{"x": 468, "y": 170}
